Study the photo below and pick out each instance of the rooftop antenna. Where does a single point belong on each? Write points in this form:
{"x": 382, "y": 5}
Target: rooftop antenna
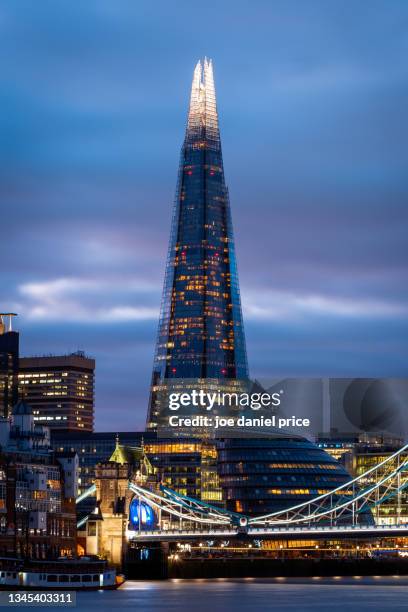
{"x": 10, "y": 316}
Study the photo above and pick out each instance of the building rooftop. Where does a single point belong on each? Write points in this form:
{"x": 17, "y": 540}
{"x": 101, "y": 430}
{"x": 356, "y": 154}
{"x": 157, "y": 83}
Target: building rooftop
{"x": 126, "y": 454}
{"x": 78, "y": 358}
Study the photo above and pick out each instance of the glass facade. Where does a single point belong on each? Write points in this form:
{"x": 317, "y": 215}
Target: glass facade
{"x": 259, "y": 476}
{"x": 200, "y": 333}
{"x": 394, "y": 510}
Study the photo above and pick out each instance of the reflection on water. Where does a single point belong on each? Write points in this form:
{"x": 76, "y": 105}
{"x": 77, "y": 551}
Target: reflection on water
{"x": 336, "y": 594}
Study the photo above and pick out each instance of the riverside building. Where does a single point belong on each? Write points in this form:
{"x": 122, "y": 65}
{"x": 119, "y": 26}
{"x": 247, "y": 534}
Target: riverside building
{"x": 38, "y": 489}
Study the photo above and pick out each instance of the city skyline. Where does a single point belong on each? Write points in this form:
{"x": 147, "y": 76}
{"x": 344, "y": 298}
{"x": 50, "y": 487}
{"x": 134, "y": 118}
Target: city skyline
{"x": 314, "y": 131}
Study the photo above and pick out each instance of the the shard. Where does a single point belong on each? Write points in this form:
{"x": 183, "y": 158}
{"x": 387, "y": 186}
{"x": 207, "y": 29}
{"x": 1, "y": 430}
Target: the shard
{"x": 201, "y": 334}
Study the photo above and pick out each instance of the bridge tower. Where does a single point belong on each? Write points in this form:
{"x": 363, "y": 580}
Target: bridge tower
{"x": 114, "y": 498}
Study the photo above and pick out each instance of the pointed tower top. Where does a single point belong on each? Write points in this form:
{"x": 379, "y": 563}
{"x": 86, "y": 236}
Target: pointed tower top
{"x": 202, "y": 121}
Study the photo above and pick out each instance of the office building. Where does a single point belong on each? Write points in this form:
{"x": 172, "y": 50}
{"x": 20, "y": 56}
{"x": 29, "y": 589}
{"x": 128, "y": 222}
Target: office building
{"x": 394, "y": 510}
{"x": 60, "y": 389}
{"x": 360, "y": 453}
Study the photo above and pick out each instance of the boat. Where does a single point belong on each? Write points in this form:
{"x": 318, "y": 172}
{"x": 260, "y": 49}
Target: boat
{"x": 82, "y": 573}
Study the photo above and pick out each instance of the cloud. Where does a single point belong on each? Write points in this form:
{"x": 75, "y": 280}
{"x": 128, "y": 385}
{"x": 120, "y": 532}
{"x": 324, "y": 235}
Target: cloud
{"x": 119, "y": 300}
{"x": 285, "y": 306}
{"x": 87, "y": 300}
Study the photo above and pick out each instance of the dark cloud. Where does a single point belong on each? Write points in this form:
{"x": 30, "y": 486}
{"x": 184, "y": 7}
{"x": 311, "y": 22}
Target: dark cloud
{"x": 312, "y": 98}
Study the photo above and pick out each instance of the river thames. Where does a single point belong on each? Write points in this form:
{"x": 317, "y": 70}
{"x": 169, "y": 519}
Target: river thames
{"x": 336, "y": 594}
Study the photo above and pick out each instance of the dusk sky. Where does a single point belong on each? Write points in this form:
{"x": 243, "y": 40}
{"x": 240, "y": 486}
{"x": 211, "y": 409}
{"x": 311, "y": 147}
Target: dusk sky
{"x": 313, "y": 105}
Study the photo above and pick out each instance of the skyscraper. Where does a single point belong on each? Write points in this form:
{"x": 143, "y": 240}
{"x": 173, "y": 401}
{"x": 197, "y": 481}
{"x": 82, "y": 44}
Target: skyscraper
{"x": 200, "y": 333}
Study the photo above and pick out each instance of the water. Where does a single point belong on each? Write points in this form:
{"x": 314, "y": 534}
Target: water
{"x": 249, "y": 595}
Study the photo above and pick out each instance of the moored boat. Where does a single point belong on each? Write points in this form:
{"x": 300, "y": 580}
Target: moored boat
{"x": 83, "y": 573}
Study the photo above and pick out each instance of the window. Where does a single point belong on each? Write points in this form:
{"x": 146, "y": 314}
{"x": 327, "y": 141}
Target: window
{"x": 92, "y": 528}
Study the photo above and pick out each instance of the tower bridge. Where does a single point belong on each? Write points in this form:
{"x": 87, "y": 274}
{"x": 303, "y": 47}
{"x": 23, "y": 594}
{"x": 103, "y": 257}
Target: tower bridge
{"x": 344, "y": 532}
{"x": 157, "y": 513}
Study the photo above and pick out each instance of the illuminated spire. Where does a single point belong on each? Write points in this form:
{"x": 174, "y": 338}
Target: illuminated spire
{"x": 201, "y": 333}
{"x": 202, "y": 121}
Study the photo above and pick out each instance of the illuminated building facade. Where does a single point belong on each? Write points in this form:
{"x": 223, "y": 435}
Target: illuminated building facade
{"x": 60, "y": 390}
{"x": 186, "y": 466}
{"x": 9, "y": 355}
{"x": 258, "y": 476}
{"x": 38, "y": 489}
{"x": 200, "y": 333}
{"x": 395, "y": 510}
{"x": 361, "y": 452}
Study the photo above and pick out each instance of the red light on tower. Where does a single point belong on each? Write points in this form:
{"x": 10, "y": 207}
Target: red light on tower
{"x": 174, "y": 370}
{"x": 223, "y": 371}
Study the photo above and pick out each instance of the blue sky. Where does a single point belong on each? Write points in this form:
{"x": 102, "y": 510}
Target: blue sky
{"x": 313, "y": 100}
